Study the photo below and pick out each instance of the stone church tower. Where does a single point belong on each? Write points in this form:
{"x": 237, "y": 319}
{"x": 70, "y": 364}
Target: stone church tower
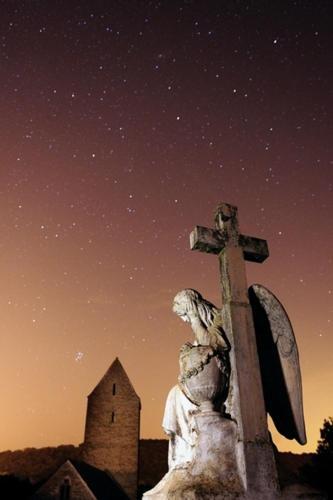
{"x": 111, "y": 440}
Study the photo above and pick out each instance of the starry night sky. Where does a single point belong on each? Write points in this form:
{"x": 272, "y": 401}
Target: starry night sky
{"x": 123, "y": 125}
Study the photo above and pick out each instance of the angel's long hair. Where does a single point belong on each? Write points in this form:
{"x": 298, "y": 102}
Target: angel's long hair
{"x": 193, "y": 300}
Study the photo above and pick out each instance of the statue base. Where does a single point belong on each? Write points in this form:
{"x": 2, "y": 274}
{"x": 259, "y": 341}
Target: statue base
{"x": 213, "y": 473}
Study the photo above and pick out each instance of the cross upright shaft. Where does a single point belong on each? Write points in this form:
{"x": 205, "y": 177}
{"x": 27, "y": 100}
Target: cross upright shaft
{"x": 245, "y": 402}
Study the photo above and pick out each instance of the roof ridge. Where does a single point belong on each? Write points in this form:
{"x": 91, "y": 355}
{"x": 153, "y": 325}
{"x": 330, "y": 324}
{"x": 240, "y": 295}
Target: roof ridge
{"x": 116, "y": 363}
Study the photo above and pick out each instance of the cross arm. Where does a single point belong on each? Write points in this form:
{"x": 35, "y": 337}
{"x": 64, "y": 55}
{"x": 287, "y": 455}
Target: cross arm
{"x": 214, "y": 241}
{"x": 206, "y": 240}
{"x": 255, "y": 249}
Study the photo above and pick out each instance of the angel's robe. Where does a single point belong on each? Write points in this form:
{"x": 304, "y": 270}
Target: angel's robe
{"x": 178, "y": 423}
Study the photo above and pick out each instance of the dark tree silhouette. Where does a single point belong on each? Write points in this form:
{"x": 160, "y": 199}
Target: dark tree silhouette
{"x": 320, "y": 472}
{"x": 325, "y": 444}
{"x": 14, "y": 488}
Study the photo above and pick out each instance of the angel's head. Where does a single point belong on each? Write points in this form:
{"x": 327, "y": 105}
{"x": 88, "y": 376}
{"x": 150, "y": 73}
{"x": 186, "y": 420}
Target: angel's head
{"x": 189, "y": 303}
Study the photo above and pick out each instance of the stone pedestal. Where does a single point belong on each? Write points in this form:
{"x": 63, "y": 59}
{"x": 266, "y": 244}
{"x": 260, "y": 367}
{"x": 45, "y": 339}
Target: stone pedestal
{"x": 213, "y": 473}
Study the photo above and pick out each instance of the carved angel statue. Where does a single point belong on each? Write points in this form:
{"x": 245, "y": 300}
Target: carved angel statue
{"x": 205, "y": 373}
{"x": 276, "y": 346}
{"x": 210, "y": 347}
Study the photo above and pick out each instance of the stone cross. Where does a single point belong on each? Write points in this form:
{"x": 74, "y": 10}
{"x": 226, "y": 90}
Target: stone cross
{"x": 245, "y": 403}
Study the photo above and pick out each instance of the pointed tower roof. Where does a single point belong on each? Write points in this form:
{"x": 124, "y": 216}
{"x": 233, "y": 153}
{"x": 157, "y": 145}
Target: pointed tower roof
{"x": 115, "y": 373}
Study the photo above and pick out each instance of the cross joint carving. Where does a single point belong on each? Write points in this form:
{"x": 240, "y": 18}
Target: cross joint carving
{"x": 226, "y": 235}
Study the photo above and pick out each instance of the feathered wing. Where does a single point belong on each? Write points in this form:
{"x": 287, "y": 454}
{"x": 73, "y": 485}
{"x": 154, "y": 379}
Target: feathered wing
{"x": 279, "y": 363}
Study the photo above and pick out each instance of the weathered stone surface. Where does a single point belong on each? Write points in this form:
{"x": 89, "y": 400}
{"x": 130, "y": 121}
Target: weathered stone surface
{"x": 112, "y": 428}
{"x": 245, "y": 402}
{"x": 202, "y": 448}
{"x": 207, "y": 240}
{"x": 203, "y": 377}
{"x": 204, "y": 372}
{"x": 212, "y": 473}
{"x": 78, "y": 480}
{"x": 279, "y": 363}
{"x": 65, "y": 477}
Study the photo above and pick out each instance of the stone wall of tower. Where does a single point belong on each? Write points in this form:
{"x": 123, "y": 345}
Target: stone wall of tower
{"x": 112, "y": 428}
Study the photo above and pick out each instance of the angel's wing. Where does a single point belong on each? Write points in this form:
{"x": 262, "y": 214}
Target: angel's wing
{"x": 279, "y": 363}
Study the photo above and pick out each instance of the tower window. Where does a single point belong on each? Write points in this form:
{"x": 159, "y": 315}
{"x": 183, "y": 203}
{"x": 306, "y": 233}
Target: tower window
{"x": 114, "y": 389}
{"x": 113, "y": 417}
{"x": 65, "y": 489}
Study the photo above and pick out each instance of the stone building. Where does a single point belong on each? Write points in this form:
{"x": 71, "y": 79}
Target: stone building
{"x": 111, "y": 440}
{"x": 79, "y": 481}
{"x": 109, "y": 464}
